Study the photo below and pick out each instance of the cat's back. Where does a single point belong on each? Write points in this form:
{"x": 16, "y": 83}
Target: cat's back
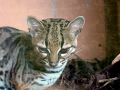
{"x": 7, "y": 34}
{"x": 9, "y": 39}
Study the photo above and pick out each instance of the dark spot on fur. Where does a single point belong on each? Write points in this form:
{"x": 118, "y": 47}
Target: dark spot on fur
{"x": 18, "y": 76}
{"x": 66, "y": 23}
{"x": 43, "y": 80}
{"x": 43, "y": 74}
{"x": 5, "y": 44}
{"x": 37, "y": 84}
{"x": 1, "y": 66}
{"x": 61, "y": 25}
{"x": 1, "y": 88}
{"x": 6, "y": 72}
{"x": 8, "y": 40}
{"x": 49, "y": 25}
{"x": 6, "y": 29}
{"x": 1, "y": 79}
{"x": 28, "y": 79}
{"x": 34, "y": 74}
{"x": 29, "y": 73}
{"x": 44, "y": 21}
{"x": 9, "y": 89}
{"x": 6, "y": 58}
{"x": 1, "y": 72}
{"x": 32, "y": 79}
{"x": 1, "y": 63}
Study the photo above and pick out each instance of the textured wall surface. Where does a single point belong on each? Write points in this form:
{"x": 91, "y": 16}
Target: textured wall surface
{"x": 91, "y": 40}
{"x": 112, "y": 27}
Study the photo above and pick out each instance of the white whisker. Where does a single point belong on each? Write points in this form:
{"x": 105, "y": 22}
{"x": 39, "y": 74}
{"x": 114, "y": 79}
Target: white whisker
{"x": 80, "y": 48}
{"x": 77, "y": 51}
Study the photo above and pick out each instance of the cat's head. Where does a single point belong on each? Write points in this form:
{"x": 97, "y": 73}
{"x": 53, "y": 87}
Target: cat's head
{"x": 55, "y": 39}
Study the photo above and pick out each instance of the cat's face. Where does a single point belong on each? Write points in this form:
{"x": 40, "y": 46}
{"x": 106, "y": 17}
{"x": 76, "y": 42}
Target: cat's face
{"x": 54, "y": 39}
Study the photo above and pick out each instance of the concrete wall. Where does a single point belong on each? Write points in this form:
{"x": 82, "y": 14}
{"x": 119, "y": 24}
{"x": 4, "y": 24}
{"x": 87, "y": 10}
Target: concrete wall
{"x": 14, "y": 12}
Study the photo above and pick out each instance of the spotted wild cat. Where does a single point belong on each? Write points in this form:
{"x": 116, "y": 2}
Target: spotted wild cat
{"x": 35, "y": 60}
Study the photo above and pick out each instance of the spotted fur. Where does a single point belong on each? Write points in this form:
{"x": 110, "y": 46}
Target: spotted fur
{"x": 35, "y": 60}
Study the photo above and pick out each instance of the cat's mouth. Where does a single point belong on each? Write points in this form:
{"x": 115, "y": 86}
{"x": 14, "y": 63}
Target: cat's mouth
{"x": 57, "y": 66}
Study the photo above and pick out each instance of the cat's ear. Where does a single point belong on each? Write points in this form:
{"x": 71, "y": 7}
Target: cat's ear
{"x": 76, "y": 25}
{"x": 34, "y": 25}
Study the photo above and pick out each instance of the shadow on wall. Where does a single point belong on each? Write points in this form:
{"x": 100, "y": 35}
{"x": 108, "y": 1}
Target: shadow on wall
{"x": 111, "y": 28}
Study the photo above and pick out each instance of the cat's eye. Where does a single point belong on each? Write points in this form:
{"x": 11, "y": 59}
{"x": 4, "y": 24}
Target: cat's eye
{"x": 42, "y": 50}
{"x": 63, "y": 51}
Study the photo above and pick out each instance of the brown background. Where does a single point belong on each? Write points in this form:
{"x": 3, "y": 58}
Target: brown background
{"x": 92, "y": 39}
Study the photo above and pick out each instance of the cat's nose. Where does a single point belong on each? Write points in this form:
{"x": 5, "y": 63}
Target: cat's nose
{"x": 53, "y": 64}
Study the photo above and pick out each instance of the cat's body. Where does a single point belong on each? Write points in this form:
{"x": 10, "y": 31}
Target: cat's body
{"x": 35, "y": 60}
